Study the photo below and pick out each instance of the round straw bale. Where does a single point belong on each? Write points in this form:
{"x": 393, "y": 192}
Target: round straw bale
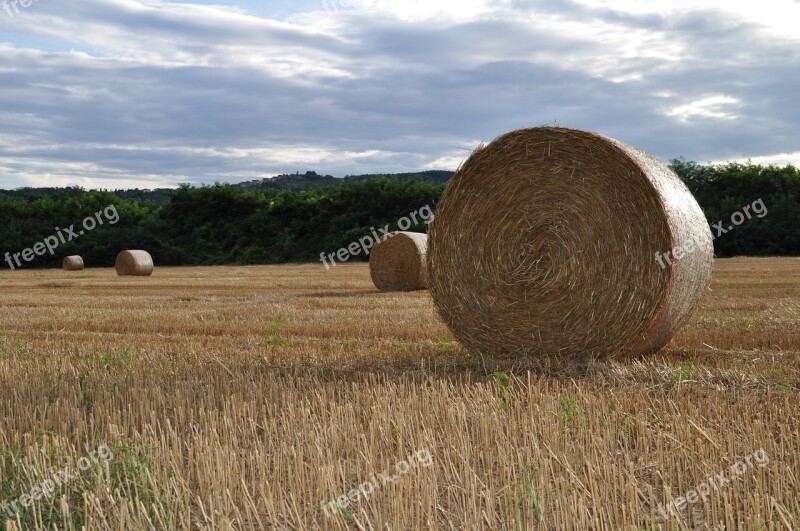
{"x": 134, "y": 263}
{"x": 398, "y": 263}
{"x": 73, "y": 263}
{"x": 547, "y": 243}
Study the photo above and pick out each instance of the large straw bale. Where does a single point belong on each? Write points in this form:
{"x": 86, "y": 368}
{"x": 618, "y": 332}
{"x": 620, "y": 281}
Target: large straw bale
{"x": 545, "y": 244}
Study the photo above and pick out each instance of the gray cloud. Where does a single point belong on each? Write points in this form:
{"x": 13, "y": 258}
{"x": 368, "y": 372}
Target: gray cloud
{"x": 202, "y": 94}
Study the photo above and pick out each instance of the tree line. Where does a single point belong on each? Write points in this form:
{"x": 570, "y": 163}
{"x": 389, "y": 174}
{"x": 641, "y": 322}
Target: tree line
{"x": 229, "y": 224}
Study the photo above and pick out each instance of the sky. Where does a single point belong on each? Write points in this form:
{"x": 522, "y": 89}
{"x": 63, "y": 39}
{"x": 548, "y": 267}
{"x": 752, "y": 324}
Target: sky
{"x": 149, "y": 93}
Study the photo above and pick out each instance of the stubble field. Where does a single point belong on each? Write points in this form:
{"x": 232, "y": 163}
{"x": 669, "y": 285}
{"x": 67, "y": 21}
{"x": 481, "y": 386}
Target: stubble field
{"x": 244, "y": 397}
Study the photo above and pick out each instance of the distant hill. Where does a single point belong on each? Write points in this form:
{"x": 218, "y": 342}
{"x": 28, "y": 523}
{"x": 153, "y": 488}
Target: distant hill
{"x": 264, "y": 222}
{"x": 311, "y": 180}
{"x": 158, "y": 196}
{"x": 430, "y": 176}
{"x": 296, "y": 182}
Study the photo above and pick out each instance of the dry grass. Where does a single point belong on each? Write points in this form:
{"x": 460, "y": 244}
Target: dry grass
{"x": 240, "y": 398}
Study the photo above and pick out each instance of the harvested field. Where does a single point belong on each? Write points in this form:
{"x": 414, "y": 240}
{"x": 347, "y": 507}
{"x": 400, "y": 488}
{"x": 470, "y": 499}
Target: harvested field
{"x": 242, "y": 397}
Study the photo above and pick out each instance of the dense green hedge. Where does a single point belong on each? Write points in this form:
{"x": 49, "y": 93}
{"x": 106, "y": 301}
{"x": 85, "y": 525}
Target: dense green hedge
{"x": 220, "y": 224}
{"x": 226, "y": 224}
{"x": 725, "y": 190}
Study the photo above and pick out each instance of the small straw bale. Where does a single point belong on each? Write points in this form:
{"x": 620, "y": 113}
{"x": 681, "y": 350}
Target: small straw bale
{"x": 73, "y": 263}
{"x": 134, "y": 263}
{"x": 398, "y": 262}
{"x": 547, "y": 244}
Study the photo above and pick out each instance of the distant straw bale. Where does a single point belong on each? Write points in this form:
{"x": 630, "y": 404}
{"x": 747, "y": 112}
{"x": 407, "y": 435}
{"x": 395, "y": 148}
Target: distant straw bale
{"x": 398, "y": 262}
{"x": 73, "y": 263}
{"x": 134, "y": 263}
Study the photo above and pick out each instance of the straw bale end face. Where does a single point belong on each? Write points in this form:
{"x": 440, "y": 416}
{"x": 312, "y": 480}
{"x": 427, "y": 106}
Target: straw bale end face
{"x": 73, "y": 263}
{"x": 547, "y": 240}
{"x": 398, "y": 262}
{"x": 134, "y": 263}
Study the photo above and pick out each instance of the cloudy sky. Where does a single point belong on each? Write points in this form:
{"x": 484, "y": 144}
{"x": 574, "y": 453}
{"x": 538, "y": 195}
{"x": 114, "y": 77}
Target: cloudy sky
{"x": 151, "y": 93}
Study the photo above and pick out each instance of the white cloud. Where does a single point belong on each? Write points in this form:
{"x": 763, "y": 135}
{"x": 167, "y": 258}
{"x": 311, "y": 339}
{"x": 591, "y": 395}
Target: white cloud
{"x": 448, "y": 161}
{"x": 122, "y": 91}
{"x": 717, "y": 106}
{"x": 780, "y": 159}
{"x": 778, "y": 17}
{"x": 451, "y": 11}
